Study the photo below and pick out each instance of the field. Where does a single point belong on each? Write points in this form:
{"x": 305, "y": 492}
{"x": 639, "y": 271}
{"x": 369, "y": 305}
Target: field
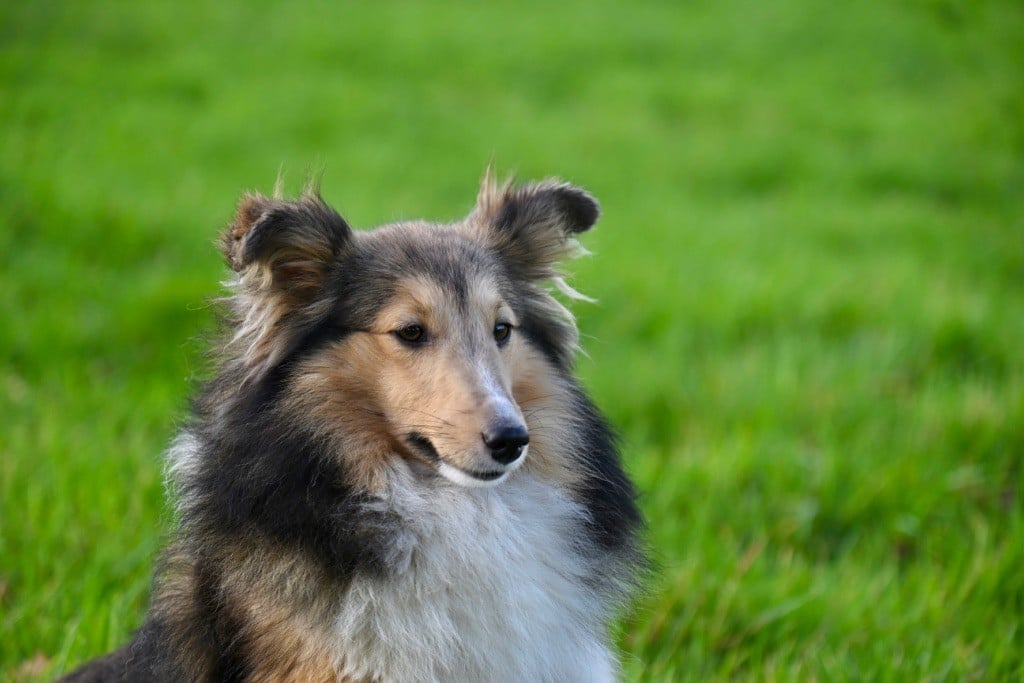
{"x": 809, "y": 273}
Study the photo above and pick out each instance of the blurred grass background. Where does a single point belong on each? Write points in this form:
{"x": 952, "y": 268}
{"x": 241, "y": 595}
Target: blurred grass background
{"x": 810, "y": 272}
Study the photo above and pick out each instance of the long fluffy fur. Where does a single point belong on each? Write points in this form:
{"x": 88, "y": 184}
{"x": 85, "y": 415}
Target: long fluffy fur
{"x": 319, "y": 537}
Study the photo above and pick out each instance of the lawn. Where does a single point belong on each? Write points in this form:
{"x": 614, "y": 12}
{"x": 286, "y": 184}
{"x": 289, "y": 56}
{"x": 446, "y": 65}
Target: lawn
{"x": 809, "y": 273}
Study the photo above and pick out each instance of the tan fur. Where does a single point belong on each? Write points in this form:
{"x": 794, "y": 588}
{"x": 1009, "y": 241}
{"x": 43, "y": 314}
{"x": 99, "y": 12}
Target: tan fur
{"x": 336, "y": 391}
{"x": 543, "y": 397}
{"x": 287, "y": 628}
{"x": 173, "y": 604}
{"x": 284, "y": 647}
{"x": 372, "y": 388}
{"x": 342, "y": 392}
{"x": 278, "y": 599}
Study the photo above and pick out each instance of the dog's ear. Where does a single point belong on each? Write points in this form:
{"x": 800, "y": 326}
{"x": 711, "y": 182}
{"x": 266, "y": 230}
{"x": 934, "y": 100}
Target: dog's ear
{"x": 533, "y": 225}
{"x": 291, "y": 244}
{"x": 533, "y": 229}
{"x": 283, "y": 253}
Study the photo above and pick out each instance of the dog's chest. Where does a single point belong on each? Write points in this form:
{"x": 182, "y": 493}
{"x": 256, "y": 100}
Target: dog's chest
{"x": 485, "y": 585}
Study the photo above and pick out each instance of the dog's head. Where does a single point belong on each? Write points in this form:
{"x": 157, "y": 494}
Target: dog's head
{"x": 433, "y": 342}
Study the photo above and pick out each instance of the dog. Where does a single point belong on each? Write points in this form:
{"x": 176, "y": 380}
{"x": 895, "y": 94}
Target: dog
{"x": 394, "y": 475}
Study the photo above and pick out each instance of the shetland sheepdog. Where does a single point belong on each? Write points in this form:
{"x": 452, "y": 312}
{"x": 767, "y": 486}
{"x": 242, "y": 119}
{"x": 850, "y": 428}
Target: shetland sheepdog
{"x": 394, "y": 475}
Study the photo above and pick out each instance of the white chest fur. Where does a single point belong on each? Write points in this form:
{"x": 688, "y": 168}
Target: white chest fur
{"x": 487, "y": 585}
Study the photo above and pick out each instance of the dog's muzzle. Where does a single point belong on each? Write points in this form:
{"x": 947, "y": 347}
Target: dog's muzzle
{"x": 507, "y": 446}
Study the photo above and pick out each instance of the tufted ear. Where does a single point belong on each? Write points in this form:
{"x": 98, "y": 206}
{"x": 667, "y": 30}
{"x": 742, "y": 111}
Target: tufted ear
{"x": 533, "y": 226}
{"x": 291, "y": 243}
{"x": 283, "y": 252}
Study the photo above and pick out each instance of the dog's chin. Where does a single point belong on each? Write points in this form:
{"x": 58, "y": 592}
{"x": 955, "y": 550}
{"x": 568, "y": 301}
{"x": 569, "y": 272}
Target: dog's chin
{"x": 470, "y": 479}
{"x": 482, "y": 478}
{"x": 477, "y": 479}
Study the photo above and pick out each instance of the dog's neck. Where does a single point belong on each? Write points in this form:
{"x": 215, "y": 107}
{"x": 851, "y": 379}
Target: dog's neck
{"x": 483, "y": 584}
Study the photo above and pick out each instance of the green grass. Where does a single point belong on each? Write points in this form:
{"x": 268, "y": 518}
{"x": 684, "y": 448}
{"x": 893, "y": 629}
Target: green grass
{"x": 810, "y": 273}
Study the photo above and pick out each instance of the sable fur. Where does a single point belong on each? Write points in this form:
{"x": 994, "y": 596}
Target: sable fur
{"x": 339, "y": 517}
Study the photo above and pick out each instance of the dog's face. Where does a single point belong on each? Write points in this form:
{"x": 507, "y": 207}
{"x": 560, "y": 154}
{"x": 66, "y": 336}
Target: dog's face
{"x": 449, "y": 352}
{"x": 418, "y": 340}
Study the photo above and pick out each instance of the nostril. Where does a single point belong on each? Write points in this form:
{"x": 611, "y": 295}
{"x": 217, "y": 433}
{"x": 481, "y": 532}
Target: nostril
{"x": 506, "y": 443}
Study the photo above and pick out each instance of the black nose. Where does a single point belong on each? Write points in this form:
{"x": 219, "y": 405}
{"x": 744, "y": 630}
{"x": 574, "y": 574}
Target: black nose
{"x": 506, "y": 442}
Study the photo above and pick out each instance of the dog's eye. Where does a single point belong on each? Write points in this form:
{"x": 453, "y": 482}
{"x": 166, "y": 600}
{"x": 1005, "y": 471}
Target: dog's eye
{"x": 411, "y": 334}
{"x": 502, "y": 331}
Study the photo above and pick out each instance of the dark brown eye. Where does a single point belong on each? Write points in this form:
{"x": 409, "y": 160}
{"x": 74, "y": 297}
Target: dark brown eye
{"x": 502, "y": 331}
{"x": 411, "y": 334}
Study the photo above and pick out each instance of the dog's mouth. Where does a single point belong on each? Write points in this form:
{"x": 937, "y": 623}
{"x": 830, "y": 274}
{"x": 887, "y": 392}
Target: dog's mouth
{"x": 423, "y": 446}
